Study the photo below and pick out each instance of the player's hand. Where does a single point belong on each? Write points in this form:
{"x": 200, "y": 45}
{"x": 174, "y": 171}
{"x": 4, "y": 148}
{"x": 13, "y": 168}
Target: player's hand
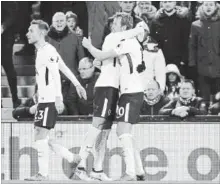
{"x": 86, "y": 43}
{"x": 97, "y": 63}
{"x": 81, "y": 92}
{"x": 143, "y": 25}
{"x": 59, "y": 105}
{"x": 183, "y": 114}
{"x": 33, "y": 109}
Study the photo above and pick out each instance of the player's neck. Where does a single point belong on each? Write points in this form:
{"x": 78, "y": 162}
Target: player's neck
{"x": 40, "y": 44}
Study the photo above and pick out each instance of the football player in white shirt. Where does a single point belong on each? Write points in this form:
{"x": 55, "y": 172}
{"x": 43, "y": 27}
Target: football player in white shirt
{"x": 48, "y": 63}
{"x": 129, "y": 54}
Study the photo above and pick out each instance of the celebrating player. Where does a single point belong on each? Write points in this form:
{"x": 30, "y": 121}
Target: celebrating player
{"x": 127, "y": 52}
{"x": 48, "y": 63}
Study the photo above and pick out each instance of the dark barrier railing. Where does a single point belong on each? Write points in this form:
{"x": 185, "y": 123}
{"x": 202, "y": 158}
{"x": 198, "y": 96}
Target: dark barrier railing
{"x": 145, "y": 119}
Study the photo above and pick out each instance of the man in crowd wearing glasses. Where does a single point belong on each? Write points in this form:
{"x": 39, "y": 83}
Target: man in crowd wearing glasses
{"x": 87, "y": 78}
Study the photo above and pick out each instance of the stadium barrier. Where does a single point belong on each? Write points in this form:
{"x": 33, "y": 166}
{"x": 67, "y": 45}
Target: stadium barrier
{"x": 172, "y": 149}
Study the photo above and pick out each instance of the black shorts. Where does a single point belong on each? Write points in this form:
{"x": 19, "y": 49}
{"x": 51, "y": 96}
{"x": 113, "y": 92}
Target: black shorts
{"x": 46, "y": 115}
{"x": 129, "y": 107}
{"x": 105, "y": 102}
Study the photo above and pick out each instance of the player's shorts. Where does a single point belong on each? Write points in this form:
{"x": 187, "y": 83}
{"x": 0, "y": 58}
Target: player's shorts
{"x": 46, "y": 115}
{"x": 105, "y": 102}
{"x": 129, "y": 107}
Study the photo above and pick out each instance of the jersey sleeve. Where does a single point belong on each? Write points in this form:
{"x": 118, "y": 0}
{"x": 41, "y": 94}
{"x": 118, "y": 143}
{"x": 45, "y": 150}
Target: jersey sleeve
{"x": 52, "y": 64}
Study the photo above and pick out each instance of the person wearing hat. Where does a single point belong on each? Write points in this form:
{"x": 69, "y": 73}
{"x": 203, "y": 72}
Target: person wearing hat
{"x": 173, "y": 79}
{"x": 187, "y": 104}
{"x": 72, "y": 23}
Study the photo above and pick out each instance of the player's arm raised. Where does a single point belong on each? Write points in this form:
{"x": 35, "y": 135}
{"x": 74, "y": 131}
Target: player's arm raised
{"x": 67, "y": 72}
{"x": 140, "y": 30}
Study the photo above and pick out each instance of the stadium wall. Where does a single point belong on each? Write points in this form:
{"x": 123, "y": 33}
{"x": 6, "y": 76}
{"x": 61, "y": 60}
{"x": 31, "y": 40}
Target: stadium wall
{"x": 171, "y": 149}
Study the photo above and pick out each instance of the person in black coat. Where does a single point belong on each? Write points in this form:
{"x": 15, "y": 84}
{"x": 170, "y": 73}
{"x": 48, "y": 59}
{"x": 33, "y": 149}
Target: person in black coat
{"x": 154, "y": 100}
{"x": 187, "y": 104}
{"x": 9, "y": 14}
{"x": 215, "y": 108}
{"x": 28, "y": 108}
{"x": 170, "y": 28}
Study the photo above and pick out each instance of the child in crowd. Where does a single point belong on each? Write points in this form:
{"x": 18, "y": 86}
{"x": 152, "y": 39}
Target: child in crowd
{"x": 72, "y": 23}
{"x": 173, "y": 79}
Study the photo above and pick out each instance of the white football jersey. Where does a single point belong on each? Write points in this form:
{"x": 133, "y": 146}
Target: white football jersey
{"x": 130, "y": 56}
{"x": 109, "y": 75}
{"x": 47, "y": 74}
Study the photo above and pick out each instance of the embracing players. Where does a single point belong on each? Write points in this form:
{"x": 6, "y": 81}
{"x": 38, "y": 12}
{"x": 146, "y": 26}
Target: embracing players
{"x": 122, "y": 61}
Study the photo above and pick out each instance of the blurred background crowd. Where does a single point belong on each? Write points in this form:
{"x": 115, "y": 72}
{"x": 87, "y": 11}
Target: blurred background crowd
{"x": 181, "y": 52}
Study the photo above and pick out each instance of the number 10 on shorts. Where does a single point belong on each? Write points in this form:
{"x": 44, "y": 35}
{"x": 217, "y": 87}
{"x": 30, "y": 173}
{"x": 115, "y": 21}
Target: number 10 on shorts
{"x": 123, "y": 112}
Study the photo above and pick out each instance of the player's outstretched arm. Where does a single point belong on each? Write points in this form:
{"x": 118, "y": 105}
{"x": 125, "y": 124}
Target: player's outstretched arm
{"x": 96, "y": 53}
{"x": 67, "y": 72}
{"x": 139, "y": 30}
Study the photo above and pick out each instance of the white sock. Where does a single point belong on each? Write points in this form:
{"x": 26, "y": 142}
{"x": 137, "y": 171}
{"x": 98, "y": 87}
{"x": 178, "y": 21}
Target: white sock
{"x": 99, "y": 149}
{"x": 88, "y": 144}
{"x": 127, "y": 145}
{"x": 138, "y": 162}
{"x": 62, "y": 151}
{"x": 43, "y": 156}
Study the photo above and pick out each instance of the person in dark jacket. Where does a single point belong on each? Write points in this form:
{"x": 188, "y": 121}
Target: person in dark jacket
{"x": 204, "y": 49}
{"x": 8, "y": 19}
{"x": 215, "y": 108}
{"x": 27, "y": 109}
{"x": 187, "y": 104}
{"x": 154, "y": 100}
{"x": 87, "y": 78}
{"x": 68, "y": 46}
{"x": 170, "y": 28}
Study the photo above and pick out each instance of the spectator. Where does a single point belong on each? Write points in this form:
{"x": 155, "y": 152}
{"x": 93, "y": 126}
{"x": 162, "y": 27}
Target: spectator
{"x": 87, "y": 78}
{"x": 153, "y": 99}
{"x": 9, "y": 14}
{"x": 187, "y": 104}
{"x": 146, "y": 11}
{"x": 28, "y": 108}
{"x": 170, "y": 29}
{"x": 215, "y": 108}
{"x": 25, "y": 11}
{"x": 72, "y": 23}
{"x": 99, "y": 12}
{"x": 155, "y": 63}
{"x": 49, "y": 8}
{"x": 67, "y": 44}
{"x": 204, "y": 49}
{"x": 173, "y": 79}
{"x": 127, "y": 7}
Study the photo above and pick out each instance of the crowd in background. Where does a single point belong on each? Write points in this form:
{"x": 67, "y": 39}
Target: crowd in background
{"x": 181, "y": 52}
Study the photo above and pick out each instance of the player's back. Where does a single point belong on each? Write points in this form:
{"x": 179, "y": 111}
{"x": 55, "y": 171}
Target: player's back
{"x": 130, "y": 58}
{"x": 46, "y": 56}
{"x": 110, "y": 67}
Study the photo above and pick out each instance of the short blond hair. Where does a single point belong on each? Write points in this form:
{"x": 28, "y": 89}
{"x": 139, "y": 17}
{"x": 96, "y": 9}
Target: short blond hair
{"x": 126, "y": 19}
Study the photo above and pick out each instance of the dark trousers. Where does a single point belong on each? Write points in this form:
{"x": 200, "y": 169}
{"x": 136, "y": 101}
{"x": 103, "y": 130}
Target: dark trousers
{"x": 7, "y": 63}
{"x": 208, "y": 86}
